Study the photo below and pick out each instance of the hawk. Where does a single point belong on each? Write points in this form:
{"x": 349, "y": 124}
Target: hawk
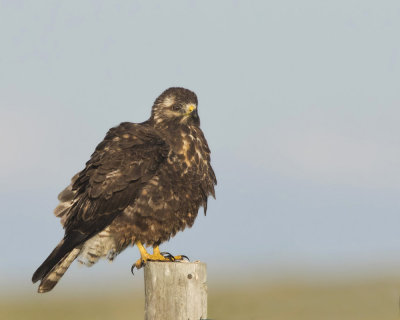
{"x": 143, "y": 183}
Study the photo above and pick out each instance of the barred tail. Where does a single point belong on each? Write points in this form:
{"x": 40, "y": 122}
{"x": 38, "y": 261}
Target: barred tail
{"x": 50, "y": 279}
{"x": 52, "y": 269}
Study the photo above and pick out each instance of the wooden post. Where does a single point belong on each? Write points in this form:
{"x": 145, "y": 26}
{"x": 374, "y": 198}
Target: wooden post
{"x": 175, "y": 290}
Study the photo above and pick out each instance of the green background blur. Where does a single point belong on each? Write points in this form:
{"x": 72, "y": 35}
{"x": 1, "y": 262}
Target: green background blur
{"x": 294, "y": 299}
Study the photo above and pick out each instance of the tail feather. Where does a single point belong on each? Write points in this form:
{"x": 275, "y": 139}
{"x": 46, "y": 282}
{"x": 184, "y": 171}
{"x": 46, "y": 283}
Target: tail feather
{"x": 52, "y": 269}
{"x": 55, "y": 256}
{"x": 51, "y": 278}
{"x": 66, "y": 245}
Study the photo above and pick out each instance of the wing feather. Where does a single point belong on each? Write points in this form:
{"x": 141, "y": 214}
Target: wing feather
{"x": 129, "y": 155}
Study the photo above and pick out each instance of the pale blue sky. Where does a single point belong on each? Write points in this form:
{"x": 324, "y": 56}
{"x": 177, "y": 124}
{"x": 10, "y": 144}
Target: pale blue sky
{"x": 299, "y": 100}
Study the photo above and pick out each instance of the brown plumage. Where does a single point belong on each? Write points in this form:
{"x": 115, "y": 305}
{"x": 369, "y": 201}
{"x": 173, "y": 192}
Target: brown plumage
{"x": 144, "y": 182}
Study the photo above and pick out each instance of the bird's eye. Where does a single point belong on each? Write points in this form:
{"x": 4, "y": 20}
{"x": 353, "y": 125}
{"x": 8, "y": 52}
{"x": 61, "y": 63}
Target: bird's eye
{"x": 176, "y": 107}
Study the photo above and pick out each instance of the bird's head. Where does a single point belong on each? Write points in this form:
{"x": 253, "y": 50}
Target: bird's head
{"x": 176, "y": 105}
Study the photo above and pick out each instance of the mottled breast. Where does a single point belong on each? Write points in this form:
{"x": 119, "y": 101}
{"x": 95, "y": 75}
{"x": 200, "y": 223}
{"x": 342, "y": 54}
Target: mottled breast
{"x": 169, "y": 202}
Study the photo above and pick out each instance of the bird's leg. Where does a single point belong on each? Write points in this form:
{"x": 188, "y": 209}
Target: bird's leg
{"x": 156, "y": 252}
{"x": 156, "y": 256}
{"x": 144, "y": 255}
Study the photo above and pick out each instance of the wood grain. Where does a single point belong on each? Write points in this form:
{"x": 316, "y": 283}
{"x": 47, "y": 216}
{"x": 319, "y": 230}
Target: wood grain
{"x": 175, "y": 290}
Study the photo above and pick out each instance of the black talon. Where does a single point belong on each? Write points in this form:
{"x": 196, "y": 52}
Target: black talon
{"x": 172, "y": 258}
{"x": 134, "y": 265}
{"x": 132, "y": 268}
{"x": 168, "y": 256}
{"x": 165, "y": 254}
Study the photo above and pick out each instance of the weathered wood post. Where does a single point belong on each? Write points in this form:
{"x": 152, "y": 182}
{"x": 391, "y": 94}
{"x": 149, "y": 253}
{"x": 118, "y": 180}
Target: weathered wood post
{"x": 175, "y": 290}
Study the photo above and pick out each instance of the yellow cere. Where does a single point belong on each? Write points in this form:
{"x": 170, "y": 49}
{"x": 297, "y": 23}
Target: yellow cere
{"x": 191, "y": 107}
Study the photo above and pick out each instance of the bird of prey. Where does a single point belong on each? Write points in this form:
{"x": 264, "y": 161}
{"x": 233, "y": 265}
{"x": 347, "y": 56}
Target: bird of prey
{"x": 143, "y": 183}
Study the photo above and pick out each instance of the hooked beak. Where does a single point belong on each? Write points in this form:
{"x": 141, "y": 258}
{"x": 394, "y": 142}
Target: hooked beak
{"x": 190, "y": 108}
{"x": 191, "y": 113}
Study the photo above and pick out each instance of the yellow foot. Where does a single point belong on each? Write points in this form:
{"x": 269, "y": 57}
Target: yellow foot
{"x": 156, "y": 256}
